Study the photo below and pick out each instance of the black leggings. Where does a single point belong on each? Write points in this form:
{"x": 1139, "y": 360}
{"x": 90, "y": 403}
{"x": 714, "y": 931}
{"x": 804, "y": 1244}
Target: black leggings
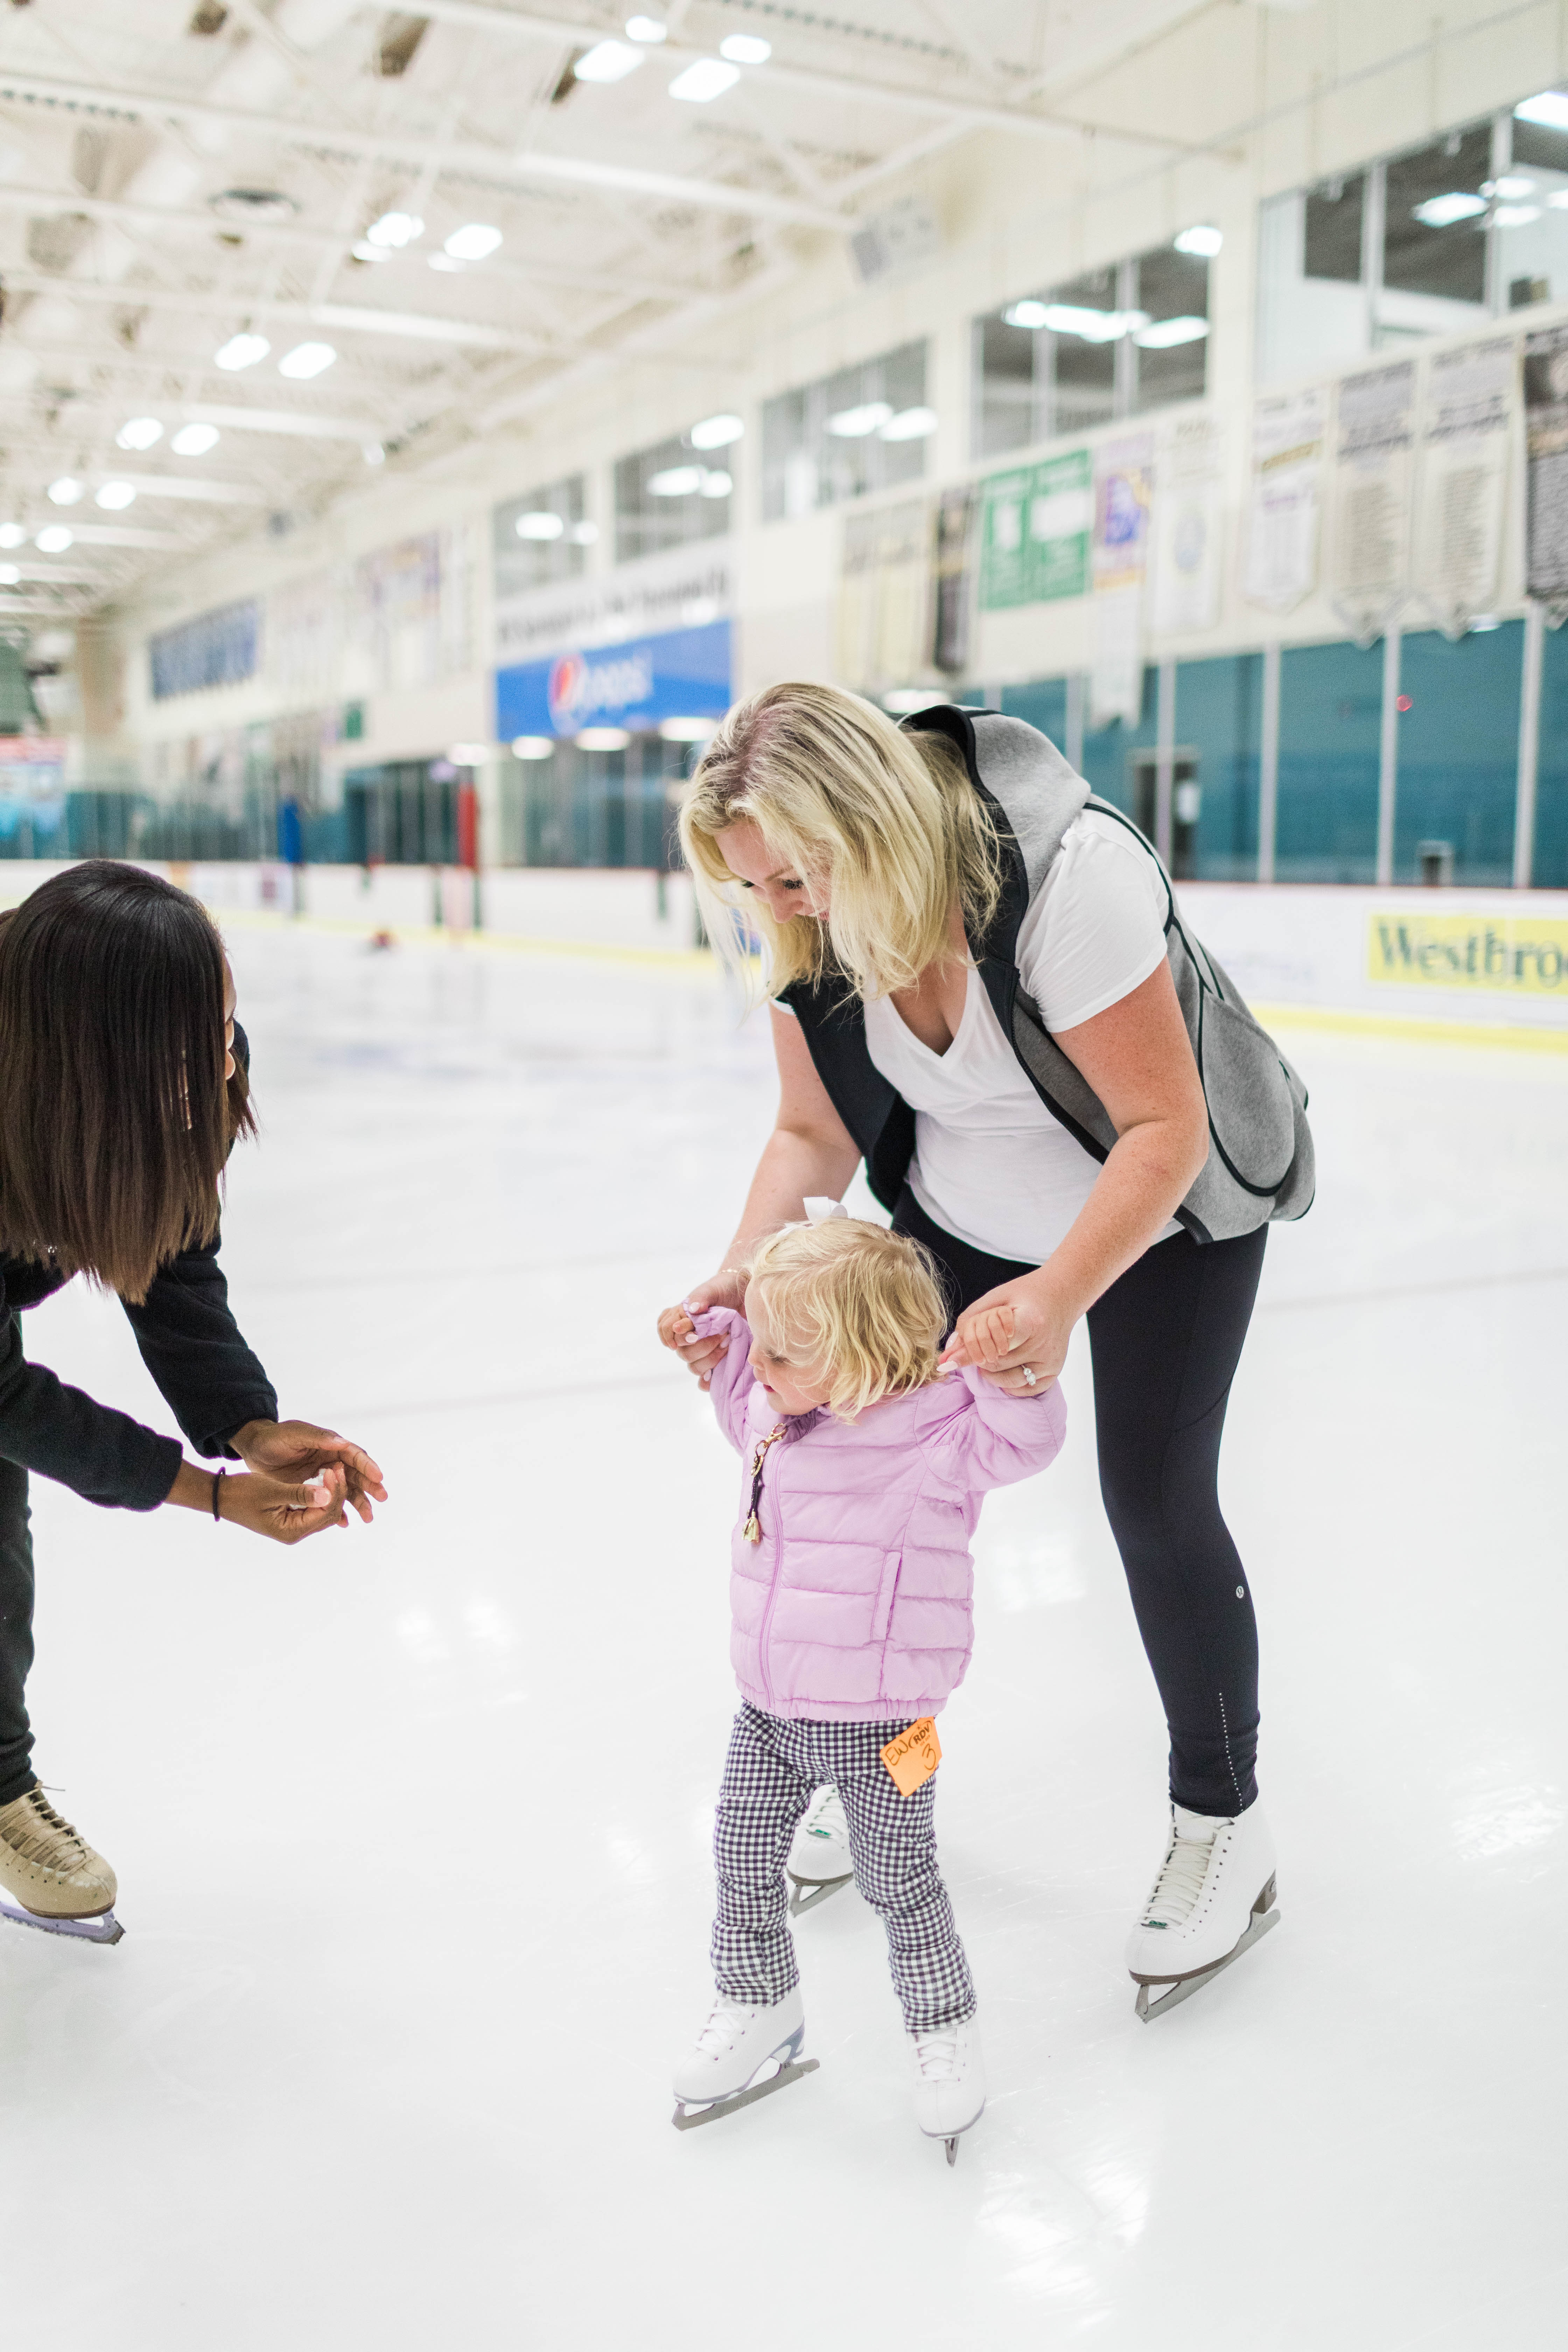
{"x": 1166, "y": 1340}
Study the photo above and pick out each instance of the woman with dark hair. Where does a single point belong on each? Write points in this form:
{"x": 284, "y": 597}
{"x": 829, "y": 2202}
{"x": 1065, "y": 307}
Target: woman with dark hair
{"x": 123, "y": 1088}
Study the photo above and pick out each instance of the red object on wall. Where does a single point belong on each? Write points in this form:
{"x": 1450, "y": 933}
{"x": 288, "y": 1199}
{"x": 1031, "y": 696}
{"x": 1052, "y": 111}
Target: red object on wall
{"x": 469, "y": 824}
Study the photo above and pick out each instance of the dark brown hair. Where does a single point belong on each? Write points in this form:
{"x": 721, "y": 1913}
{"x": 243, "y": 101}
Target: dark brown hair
{"x": 115, "y": 1121}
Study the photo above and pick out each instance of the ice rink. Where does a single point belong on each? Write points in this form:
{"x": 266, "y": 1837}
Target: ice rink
{"x": 411, "y": 1827}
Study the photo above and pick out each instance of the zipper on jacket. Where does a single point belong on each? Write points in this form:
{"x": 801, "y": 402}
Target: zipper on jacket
{"x": 767, "y": 1625}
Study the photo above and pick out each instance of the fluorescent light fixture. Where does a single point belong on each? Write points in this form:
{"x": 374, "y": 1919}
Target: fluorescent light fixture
{"x": 584, "y": 534}
{"x": 9, "y": 575}
{"x": 1442, "y": 212}
{"x": 533, "y": 747}
{"x": 307, "y": 360}
{"x": 607, "y": 61}
{"x": 194, "y": 440}
{"x": 745, "y": 49}
{"x": 1025, "y": 314}
{"x": 1202, "y": 240}
{"x": 1483, "y": 622}
{"x": 704, "y": 79}
{"x": 676, "y": 482}
{"x": 115, "y": 496}
{"x": 468, "y": 755}
{"x": 718, "y": 483}
{"x": 241, "y": 351}
{"x": 1164, "y": 334}
{"x": 1515, "y": 215}
{"x": 1092, "y": 326}
{"x": 395, "y": 229}
{"x": 139, "y": 433}
{"x": 716, "y": 432}
{"x": 374, "y": 453}
{"x": 901, "y": 700}
{"x": 854, "y": 424}
{"x": 539, "y": 523}
{"x": 646, "y": 29}
{"x": 54, "y": 539}
{"x": 1511, "y": 189}
{"x": 1549, "y": 107}
{"x": 12, "y": 535}
{"x": 476, "y": 241}
{"x": 364, "y": 251}
{"x": 909, "y": 425}
{"x": 688, "y": 730}
{"x": 65, "y": 492}
{"x": 603, "y": 739}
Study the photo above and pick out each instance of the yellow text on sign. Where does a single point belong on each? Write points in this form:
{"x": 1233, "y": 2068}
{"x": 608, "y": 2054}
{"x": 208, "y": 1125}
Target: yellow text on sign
{"x": 913, "y": 1755}
{"x": 1509, "y": 954}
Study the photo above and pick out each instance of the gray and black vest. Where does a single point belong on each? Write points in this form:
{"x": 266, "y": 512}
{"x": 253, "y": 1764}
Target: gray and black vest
{"x": 1261, "y": 1147}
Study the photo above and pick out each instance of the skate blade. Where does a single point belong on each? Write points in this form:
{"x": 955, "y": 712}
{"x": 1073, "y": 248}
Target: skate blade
{"x": 688, "y": 2118}
{"x": 1174, "y": 1992}
{"x": 809, "y": 1893}
{"x": 105, "y": 1929}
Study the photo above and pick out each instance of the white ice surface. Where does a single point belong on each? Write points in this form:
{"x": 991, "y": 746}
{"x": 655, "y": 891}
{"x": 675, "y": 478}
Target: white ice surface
{"x": 411, "y": 1826}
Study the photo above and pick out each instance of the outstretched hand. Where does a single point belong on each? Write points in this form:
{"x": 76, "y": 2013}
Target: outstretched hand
{"x": 677, "y": 1332}
{"x": 291, "y": 1450}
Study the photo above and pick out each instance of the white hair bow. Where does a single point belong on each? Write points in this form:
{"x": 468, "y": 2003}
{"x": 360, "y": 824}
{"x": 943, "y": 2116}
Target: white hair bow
{"x": 819, "y": 1210}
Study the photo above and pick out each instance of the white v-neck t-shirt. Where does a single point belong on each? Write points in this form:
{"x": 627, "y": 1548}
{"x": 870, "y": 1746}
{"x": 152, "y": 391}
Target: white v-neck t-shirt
{"x": 991, "y": 1164}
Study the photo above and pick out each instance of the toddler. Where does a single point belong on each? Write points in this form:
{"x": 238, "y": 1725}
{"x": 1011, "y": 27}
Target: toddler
{"x": 850, "y": 1585}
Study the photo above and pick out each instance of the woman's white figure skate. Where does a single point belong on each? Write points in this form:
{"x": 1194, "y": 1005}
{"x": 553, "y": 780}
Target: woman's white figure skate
{"x": 739, "y": 2040}
{"x": 1213, "y": 1899}
{"x": 950, "y": 2082}
{"x": 819, "y": 1862}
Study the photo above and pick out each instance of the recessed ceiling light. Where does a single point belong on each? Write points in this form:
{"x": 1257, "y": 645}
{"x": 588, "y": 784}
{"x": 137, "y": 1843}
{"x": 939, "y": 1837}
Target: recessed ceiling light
{"x": 395, "y": 229}
{"x": 704, "y": 79}
{"x": 54, "y": 539}
{"x": 12, "y": 535}
{"x": 66, "y": 492}
{"x": 533, "y": 747}
{"x": 646, "y": 28}
{"x": 716, "y": 432}
{"x": 374, "y": 453}
{"x": 539, "y": 523}
{"x": 307, "y": 360}
{"x": 241, "y": 351}
{"x": 194, "y": 440}
{"x": 476, "y": 241}
{"x": 113, "y": 496}
{"x": 9, "y": 575}
{"x": 607, "y": 61}
{"x": 139, "y": 433}
{"x": 364, "y": 251}
{"x": 745, "y": 49}
{"x": 1203, "y": 241}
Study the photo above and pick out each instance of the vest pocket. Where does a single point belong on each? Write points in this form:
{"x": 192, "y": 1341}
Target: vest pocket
{"x": 882, "y": 1609}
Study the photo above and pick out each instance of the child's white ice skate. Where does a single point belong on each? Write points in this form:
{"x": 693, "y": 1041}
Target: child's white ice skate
{"x": 818, "y": 1862}
{"x": 1212, "y": 1898}
{"x": 739, "y": 2040}
{"x": 950, "y": 2082}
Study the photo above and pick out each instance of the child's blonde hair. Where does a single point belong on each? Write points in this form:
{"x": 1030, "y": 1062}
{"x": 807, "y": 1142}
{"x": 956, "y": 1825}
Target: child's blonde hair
{"x": 865, "y": 1303}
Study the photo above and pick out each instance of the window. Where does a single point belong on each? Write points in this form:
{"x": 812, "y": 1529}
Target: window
{"x": 542, "y": 536}
{"x": 864, "y": 428}
{"x": 669, "y": 494}
{"x": 1113, "y": 342}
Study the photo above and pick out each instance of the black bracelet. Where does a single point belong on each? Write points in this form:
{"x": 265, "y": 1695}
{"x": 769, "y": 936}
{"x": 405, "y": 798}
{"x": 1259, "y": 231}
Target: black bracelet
{"x": 218, "y": 1477}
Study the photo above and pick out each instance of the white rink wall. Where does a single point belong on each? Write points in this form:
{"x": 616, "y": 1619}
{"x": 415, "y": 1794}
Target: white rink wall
{"x": 1487, "y": 957}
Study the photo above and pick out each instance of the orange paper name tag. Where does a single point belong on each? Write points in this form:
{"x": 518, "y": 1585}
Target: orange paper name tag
{"x": 913, "y": 1755}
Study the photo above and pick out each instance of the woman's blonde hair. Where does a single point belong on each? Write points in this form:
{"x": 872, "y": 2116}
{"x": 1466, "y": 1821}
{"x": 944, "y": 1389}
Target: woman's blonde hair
{"x": 888, "y": 821}
{"x": 861, "y": 1301}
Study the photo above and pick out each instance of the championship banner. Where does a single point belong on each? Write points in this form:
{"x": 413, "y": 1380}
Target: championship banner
{"x": 1370, "y": 540}
{"x": 1189, "y": 491}
{"x": 1037, "y": 533}
{"x": 1289, "y": 433}
{"x": 1124, "y": 496}
{"x": 883, "y": 590}
{"x": 1470, "y": 398}
{"x": 1546, "y": 446}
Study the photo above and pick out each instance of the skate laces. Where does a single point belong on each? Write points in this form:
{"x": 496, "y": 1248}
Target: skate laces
{"x": 936, "y": 2053}
{"x": 826, "y": 1817}
{"x": 1179, "y": 1884}
{"x": 725, "y": 2022}
{"x": 40, "y": 1835}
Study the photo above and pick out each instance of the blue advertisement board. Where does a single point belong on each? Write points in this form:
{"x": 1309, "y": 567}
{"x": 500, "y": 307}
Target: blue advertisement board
{"x": 681, "y": 674}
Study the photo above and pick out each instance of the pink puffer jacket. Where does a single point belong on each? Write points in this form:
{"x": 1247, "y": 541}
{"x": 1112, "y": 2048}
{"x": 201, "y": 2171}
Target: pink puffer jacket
{"x": 855, "y": 1605}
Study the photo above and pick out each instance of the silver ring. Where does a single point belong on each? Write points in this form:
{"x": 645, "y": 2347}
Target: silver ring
{"x": 1028, "y": 1374}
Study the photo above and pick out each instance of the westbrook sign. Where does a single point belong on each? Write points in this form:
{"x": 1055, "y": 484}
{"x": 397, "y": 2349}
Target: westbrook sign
{"x": 1513, "y": 955}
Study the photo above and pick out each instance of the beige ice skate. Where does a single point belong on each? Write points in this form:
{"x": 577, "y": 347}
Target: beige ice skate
{"x": 60, "y": 1884}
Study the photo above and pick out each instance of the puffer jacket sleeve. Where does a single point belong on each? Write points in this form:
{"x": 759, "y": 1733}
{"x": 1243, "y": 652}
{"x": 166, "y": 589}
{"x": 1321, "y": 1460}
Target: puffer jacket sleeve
{"x": 978, "y": 1436}
{"x": 732, "y": 1378}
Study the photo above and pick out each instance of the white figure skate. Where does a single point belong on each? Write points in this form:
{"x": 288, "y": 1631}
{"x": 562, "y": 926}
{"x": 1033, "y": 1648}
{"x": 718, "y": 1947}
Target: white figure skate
{"x": 1213, "y": 1899}
{"x": 739, "y": 2040}
{"x": 950, "y": 2082}
{"x": 818, "y": 1862}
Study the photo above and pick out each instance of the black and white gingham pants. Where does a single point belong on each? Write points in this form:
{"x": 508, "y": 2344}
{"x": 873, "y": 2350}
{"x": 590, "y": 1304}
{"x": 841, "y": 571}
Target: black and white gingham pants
{"x": 769, "y": 1775}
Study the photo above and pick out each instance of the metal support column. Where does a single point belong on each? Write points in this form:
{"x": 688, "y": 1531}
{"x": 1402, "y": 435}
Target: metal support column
{"x": 1077, "y": 697}
{"x": 1388, "y": 756}
{"x": 1164, "y": 745}
{"x": 1268, "y": 765}
{"x": 1529, "y": 746}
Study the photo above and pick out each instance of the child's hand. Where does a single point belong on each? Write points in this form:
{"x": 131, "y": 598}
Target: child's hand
{"x": 1009, "y": 1335}
{"x": 678, "y": 1332}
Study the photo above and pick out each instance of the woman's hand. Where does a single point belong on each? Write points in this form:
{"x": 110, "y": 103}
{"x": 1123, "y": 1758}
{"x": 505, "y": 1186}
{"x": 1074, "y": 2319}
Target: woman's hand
{"x": 677, "y": 1332}
{"x": 293, "y": 1450}
{"x": 1018, "y": 1324}
{"x": 267, "y": 1506}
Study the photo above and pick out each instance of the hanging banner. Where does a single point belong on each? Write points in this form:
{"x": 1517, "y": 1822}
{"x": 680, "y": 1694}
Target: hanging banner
{"x": 953, "y": 576}
{"x": 1371, "y": 536}
{"x": 1470, "y": 396}
{"x": 1116, "y": 658}
{"x": 1037, "y": 533}
{"x": 1189, "y": 477}
{"x": 1546, "y": 446}
{"x": 1123, "y": 485}
{"x": 1004, "y": 543}
{"x": 882, "y": 595}
{"x": 1287, "y": 438}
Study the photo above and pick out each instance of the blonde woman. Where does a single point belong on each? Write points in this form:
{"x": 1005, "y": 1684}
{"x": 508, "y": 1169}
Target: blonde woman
{"x": 981, "y": 986}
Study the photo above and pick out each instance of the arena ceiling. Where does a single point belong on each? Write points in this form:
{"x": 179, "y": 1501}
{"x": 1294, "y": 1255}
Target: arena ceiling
{"x": 248, "y": 250}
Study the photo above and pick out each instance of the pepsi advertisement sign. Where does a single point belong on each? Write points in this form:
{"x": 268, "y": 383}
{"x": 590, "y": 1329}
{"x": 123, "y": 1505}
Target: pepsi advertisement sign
{"x": 681, "y": 674}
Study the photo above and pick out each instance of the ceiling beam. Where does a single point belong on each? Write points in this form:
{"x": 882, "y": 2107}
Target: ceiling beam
{"x": 409, "y": 326}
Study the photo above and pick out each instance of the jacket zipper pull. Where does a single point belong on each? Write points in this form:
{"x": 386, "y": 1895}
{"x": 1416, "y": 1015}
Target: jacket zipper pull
{"x": 752, "y": 1532}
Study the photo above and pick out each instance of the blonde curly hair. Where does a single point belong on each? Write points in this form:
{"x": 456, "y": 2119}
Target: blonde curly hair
{"x": 888, "y": 821}
{"x": 862, "y": 1302}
